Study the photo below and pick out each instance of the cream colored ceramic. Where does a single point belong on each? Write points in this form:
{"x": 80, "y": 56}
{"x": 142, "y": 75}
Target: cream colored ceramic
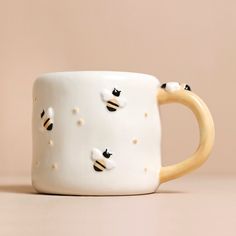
{"x": 98, "y": 132}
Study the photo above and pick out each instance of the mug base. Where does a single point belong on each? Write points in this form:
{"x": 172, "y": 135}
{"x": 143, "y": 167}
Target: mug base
{"x": 93, "y": 194}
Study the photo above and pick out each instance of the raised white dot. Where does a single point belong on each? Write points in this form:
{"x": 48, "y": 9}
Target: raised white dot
{"x": 135, "y": 141}
{"x": 75, "y": 110}
{"x": 54, "y": 166}
{"x": 50, "y": 142}
{"x": 80, "y": 122}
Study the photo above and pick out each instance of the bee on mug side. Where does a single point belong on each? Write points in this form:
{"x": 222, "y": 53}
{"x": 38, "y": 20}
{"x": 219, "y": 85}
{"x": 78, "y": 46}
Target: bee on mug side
{"x": 101, "y": 160}
{"x": 47, "y": 118}
{"x": 113, "y": 99}
{"x": 174, "y": 86}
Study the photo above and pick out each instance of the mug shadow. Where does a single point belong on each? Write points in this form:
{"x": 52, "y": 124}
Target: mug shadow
{"x": 165, "y": 191}
{"x": 24, "y": 189}
{"x": 28, "y": 189}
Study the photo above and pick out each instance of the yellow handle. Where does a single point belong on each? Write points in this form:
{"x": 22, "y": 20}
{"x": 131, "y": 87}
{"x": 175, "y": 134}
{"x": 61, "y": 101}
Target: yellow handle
{"x": 206, "y": 127}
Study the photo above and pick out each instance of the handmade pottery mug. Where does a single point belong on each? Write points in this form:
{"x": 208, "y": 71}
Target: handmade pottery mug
{"x": 99, "y": 133}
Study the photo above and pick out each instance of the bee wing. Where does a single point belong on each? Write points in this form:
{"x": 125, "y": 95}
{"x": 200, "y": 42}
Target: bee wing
{"x": 110, "y": 164}
{"x": 50, "y": 112}
{"x": 96, "y": 154}
{"x": 122, "y": 102}
{"x": 106, "y": 95}
{"x": 172, "y": 86}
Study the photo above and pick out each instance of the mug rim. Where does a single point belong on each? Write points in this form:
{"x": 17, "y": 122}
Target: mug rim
{"x": 99, "y": 73}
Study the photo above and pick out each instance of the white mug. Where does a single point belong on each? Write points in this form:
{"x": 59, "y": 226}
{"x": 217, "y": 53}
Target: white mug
{"x": 99, "y": 132}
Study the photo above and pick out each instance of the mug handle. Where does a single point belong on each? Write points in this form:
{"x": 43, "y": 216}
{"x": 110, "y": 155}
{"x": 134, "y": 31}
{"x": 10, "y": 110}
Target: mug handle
{"x": 206, "y": 127}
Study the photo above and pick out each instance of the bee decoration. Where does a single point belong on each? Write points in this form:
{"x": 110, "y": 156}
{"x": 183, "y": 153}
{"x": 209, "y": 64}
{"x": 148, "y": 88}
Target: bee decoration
{"x": 186, "y": 87}
{"x": 113, "y": 99}
{"x": 173, "y": 86}
{"x": 101, "y": 160}
{"x": 47, "y": 118}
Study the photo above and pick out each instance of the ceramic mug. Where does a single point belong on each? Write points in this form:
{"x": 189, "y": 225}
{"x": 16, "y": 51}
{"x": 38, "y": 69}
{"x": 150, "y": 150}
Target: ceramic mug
{"x": 99, "y": 132}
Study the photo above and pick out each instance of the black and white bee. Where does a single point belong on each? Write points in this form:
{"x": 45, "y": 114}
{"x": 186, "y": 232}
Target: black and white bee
{"x": 101, "y": 160}
{"x": 47, "y": 118}
{"x": 113, "y": 99}
{"x": 173, "y": 86}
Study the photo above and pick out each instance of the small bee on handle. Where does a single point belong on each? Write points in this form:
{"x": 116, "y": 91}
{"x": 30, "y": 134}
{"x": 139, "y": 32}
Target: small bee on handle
{"x": 173, "y": 86}
{"x": 101, "y": 160}
{"x": 47, "y": 118}
{"x": 113, "y": 99}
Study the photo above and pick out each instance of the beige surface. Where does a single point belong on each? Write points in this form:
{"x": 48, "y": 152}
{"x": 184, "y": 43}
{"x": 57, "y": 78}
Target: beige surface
{"x": 196, "y": 205}
{"x": 186, "y": 41}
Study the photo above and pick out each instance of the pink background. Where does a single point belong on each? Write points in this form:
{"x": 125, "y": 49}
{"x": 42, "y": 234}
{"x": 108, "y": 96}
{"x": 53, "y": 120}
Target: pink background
{"x": 185, "y": 41}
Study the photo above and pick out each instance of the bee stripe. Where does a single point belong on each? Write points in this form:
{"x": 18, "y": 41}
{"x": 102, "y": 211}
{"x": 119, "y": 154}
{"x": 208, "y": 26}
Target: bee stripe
{"x": 50, "y": 126}
{"x": 46, "y": 121}
{"x": 111, "y": 108}
{"x": 96, "y": 168}
{"x": 112, "y": 103}
{"x": 99, "y": 163}
{"x": 42, "y": 114}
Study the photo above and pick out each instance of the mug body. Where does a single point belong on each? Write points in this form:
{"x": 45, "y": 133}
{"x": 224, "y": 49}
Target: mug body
{"x": 96, "y": 133}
